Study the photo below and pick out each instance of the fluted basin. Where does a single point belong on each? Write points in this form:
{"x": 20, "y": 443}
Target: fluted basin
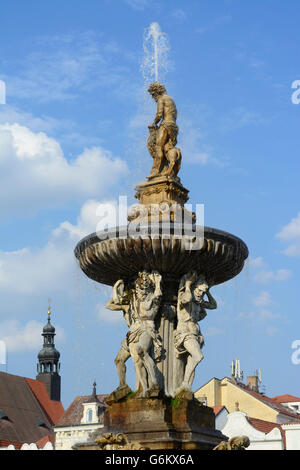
{"x": 220, "y": 258}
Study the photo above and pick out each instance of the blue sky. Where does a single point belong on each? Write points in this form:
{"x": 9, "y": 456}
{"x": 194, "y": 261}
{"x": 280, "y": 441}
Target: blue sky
{"x": 72, "y": 135}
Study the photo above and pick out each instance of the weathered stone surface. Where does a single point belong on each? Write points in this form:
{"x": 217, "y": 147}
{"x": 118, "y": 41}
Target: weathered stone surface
{"x": 221, "y": 257}
{"x": 118, "y": 394}
{"x": 163, "y": 423}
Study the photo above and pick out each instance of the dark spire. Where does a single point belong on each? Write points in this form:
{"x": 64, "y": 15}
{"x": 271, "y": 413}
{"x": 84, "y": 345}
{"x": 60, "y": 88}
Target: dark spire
{"x": 93, "y": 398}
{"x": 48, "y": 365}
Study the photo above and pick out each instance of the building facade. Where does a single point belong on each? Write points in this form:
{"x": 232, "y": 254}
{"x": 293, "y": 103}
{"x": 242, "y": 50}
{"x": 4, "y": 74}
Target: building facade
{"x": 84, "y": 416}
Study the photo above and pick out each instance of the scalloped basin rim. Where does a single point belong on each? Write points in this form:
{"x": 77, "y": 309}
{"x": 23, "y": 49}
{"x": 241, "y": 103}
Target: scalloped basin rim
{"x": 220, "y": 258}
{"x": 113, "y": 233}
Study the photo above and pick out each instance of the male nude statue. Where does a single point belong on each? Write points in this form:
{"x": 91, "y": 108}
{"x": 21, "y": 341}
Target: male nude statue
{"x": 164, "y": 136}
{"x": 144, "y": 343}
{"x": 120, "y": 301}
{"x": 191, "y": 307}
{"x": 140, "y": 308}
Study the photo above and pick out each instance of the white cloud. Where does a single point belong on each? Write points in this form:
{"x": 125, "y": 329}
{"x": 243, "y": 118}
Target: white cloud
{"x": 267, "y": 315}
{"x": 11, "y": 115}
{"x": 35, "y": 173}
{"x": 21, "y": 338}
{"x": 263, "y": 299}
{"x": 179, "y": 15}
{"x": 241, "y": 117}
{"x": 48, "y": 269}
{"x": 91, "y": 217}
{"x": 272, "y": 330}
{"x": 291, "y": 234}
{"x": 191, "y": 143}
{"x": 260, "y": 315}
{"x": 74, "y": 64}
{"x": 256, "y": 262}
{"x": 264, "y": 277}
{"x": 65, "y": 129}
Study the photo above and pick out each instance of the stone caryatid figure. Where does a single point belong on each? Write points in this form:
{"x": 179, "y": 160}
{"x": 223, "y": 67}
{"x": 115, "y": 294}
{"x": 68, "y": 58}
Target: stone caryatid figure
{"x": 163, "y": 137}
{"x": 144, "y": 342}
{"x": 140, "y": 307}
{"x": 188, "y": 339}
{"x": 121, "y": 301}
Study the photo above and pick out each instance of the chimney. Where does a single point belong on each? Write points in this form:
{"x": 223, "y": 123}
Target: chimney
{"x": 252, "y": 382}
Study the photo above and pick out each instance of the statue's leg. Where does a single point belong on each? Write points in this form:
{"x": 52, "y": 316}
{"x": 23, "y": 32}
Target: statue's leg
{"x": 138, "y": 366}
{"x": 122, "y": 357}
{"x": 145, "y": 344}
{"x": 172, "y": 162}
{"x": 195, "y": 356}
{"x": 192, "y": 378}
{"x": 161, "y": 140}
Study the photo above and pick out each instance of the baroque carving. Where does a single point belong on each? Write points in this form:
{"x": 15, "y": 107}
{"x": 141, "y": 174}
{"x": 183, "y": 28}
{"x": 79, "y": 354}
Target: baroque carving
{"x": 140, "y": 306}
{"x": 235, "y": 443}
{"x": 188, "y": 339}
{"x": 110, "y": 441}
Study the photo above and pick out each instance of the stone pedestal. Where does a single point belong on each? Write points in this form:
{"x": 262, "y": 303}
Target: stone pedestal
{"x": 163, "y": 199}
{"x": 162, "y": 423}
{"x": 161, "y": 189}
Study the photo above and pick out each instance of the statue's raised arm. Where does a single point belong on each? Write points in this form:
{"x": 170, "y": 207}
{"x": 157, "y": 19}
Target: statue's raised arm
{"x": 188, "y": 339}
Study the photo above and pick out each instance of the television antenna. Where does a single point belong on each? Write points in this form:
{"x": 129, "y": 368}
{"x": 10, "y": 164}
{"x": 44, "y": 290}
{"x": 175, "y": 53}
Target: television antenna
{"x": 236, "y": 371}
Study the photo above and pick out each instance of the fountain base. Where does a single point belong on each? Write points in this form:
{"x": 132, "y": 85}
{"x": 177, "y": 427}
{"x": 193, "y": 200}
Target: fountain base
{"x": 158, "y": 424}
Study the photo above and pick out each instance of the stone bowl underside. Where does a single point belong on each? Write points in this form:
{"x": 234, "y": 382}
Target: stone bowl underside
{"x": 220, "y": 258}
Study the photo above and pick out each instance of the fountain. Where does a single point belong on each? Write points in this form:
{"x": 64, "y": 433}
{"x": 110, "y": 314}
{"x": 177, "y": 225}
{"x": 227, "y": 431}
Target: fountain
{"x": 162, "y": 273}
{"x": 156, "y": 47}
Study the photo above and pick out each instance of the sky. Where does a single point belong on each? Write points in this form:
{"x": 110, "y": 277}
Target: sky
{"x": 73, "y": 135}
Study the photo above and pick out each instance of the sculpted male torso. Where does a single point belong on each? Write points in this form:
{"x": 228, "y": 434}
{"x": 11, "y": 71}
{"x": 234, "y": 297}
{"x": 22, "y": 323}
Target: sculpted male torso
{"x": 191, "y": 307}
{"x": 166, "y": 133}
{"x": 143, "y": 335}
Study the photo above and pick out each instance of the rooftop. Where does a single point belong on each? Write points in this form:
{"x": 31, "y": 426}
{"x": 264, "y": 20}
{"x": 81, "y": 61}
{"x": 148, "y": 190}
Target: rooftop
{"x": 28, "y": 412}
{"x": 74, "y": 414}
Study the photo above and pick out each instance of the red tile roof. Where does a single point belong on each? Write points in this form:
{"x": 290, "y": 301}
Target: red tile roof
{"x": 269, "y": 401}
{"x": 17, "y": 445}
{"x": 53, "y": 409}
{"x": 42, "y": 442}
{"x": 285, "y": 399}
{"x": 261, "y": 425}
{"x": 26, "y": 421}
{"x": 266, "y": 427}
{"x": 218, "y": 409}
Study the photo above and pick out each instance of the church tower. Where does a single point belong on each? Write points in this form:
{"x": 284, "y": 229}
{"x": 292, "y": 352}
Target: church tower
{"x": 48, "y": 366}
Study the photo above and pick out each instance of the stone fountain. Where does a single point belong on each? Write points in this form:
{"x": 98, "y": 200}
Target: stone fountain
{"x": 162, "y": 272}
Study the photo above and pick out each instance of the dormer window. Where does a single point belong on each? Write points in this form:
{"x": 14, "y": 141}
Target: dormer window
{"x": 3, "y": 415}
{"x": 41, "y": 423}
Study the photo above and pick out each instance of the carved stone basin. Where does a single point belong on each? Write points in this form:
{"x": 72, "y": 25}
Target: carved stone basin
{"x": 220, "y": 258}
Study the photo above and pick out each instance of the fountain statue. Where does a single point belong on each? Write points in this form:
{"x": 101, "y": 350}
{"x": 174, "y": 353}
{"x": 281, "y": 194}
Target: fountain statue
{"x": 163, "y": 139}
{"x": 162, "y": 284}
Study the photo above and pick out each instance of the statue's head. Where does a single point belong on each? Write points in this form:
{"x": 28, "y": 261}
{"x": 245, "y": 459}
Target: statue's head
{"x": 200, "y": 288}
{"x": 156, "y": 89}
{"x": 143, "y": 284}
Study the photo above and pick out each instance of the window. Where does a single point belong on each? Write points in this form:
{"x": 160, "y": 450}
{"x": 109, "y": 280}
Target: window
{"x": 90, "y": 415}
